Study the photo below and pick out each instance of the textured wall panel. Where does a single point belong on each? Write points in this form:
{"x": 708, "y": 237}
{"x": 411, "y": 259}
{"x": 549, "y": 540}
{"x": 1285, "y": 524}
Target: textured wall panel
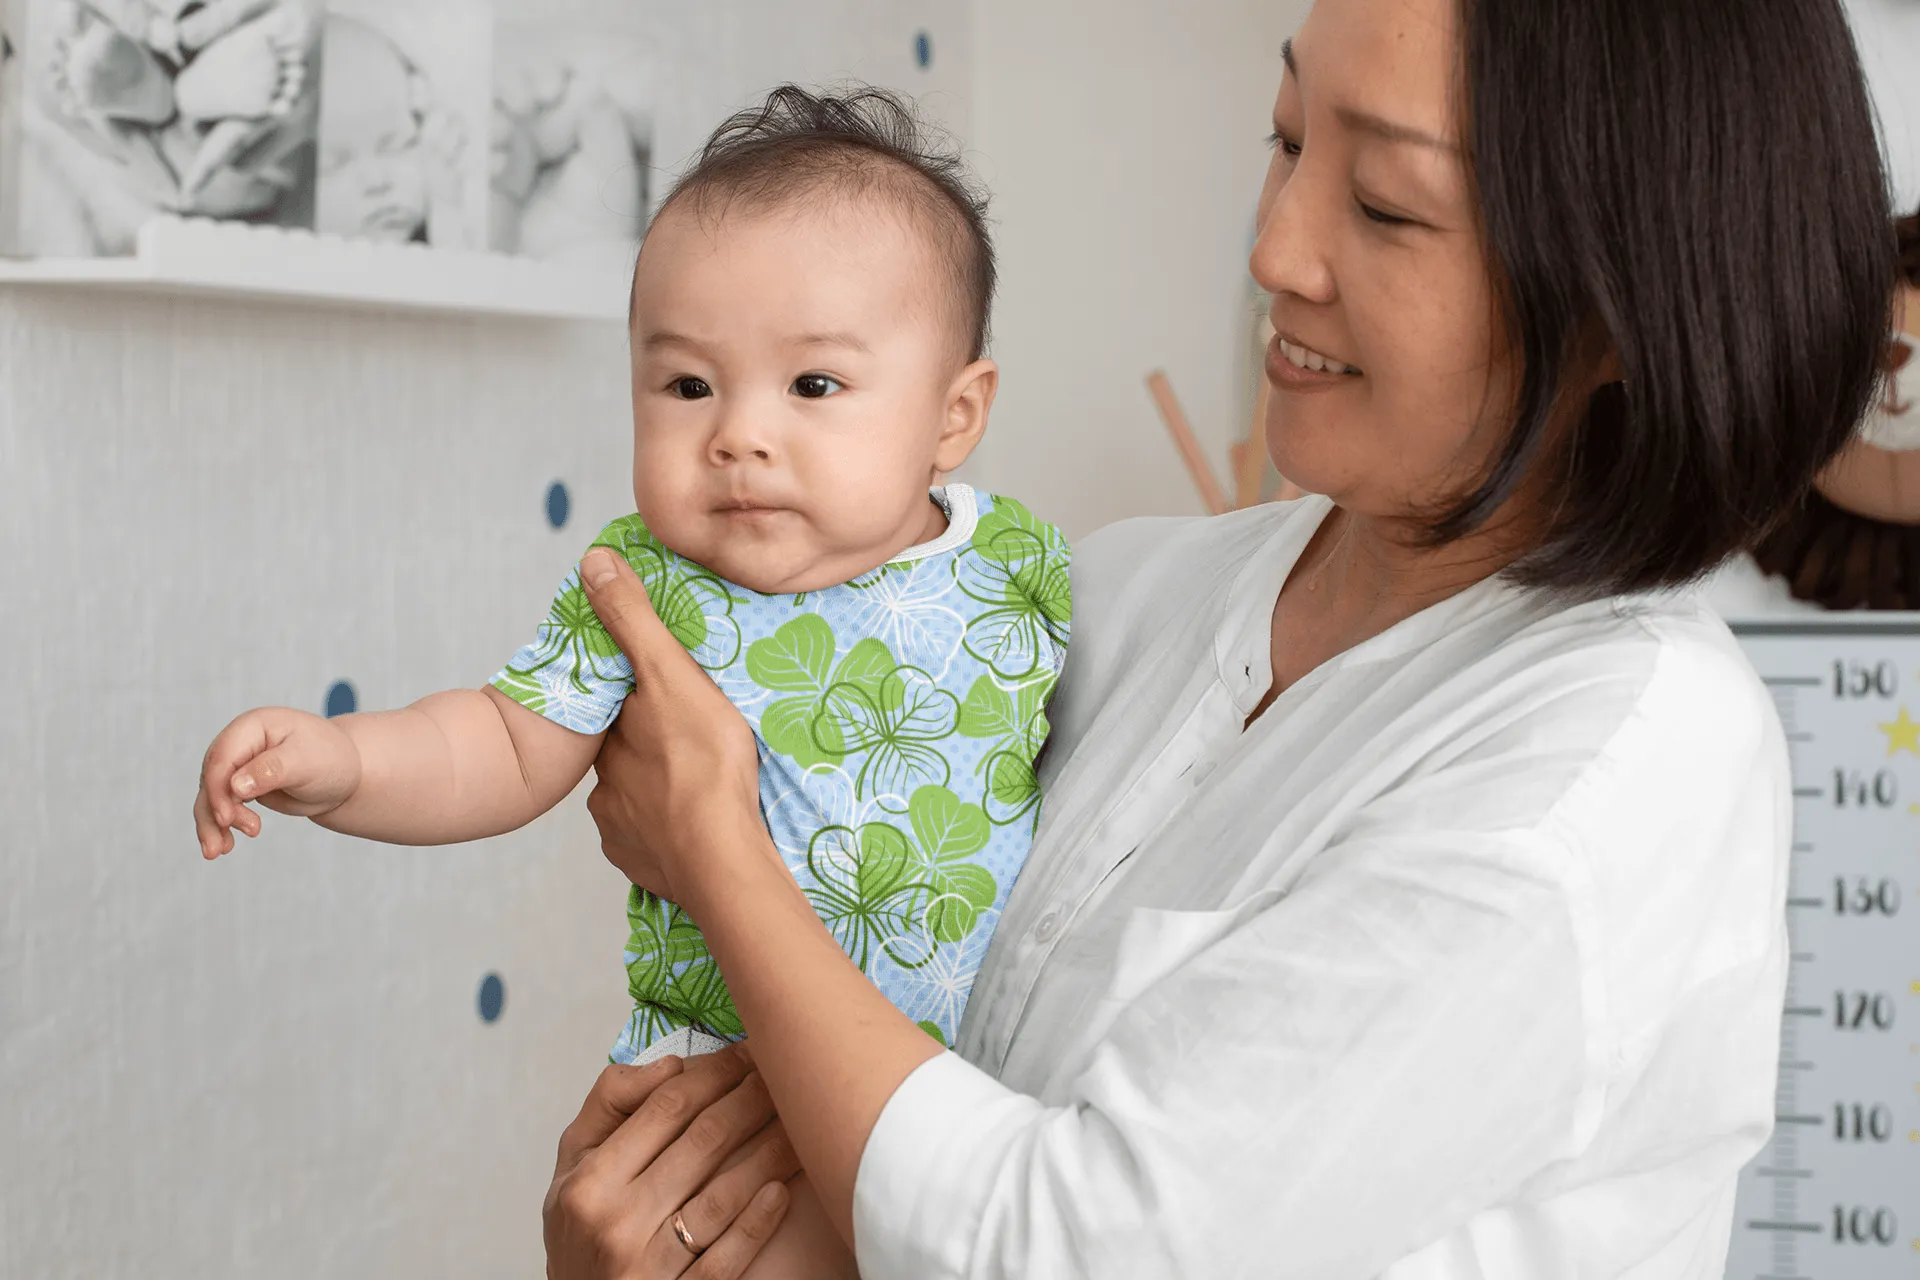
{"x": 274, "y": 1064}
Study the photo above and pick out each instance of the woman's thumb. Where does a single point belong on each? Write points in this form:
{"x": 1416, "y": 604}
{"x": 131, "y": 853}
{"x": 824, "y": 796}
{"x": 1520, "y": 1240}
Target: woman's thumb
{"x": 614, "y": 591}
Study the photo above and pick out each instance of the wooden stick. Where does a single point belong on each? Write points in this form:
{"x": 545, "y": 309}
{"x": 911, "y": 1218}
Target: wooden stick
{"x": 1204, "y": 480}
{"x": 1250, "y": 455}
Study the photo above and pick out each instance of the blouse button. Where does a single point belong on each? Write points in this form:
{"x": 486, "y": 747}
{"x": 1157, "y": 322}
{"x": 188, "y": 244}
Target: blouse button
{"x": 1048, "y": 926}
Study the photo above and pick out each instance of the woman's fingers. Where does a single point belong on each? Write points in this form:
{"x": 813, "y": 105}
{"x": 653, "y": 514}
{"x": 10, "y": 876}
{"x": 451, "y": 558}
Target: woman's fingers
{"x": 614, "y": 591}
{"x": 687, "y": 1126}
{"x": 707, "y": 1216}
{"x": 721, "y": 1129}
{"x": 730, "y": 1255}
{"x": 616, "y": 1095}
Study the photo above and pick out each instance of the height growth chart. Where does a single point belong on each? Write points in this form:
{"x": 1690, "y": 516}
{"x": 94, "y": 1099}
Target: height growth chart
{"x": 1835, "y": 1194}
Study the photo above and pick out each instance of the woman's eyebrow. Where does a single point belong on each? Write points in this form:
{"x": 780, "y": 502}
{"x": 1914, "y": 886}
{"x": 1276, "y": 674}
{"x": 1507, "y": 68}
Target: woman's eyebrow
{"x": 1389, "y": 131}
{"x": 1367, "y": 122}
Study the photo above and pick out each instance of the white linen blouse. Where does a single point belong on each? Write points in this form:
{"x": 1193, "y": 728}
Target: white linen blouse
{"x": 1465, "y": 960}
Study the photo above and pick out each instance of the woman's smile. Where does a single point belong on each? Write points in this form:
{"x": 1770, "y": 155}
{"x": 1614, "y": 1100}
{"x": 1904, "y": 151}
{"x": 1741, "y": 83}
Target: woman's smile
{"x": 1291, "y": 367}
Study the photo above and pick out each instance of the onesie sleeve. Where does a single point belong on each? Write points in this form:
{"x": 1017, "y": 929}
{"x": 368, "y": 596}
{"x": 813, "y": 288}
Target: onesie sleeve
{"x": 573, "y": 673}
{"x": 1060, "y": 606}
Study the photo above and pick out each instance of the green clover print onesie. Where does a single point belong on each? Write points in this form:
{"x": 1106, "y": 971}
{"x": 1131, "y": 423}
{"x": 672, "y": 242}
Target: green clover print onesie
{"x": 898, "y": 717}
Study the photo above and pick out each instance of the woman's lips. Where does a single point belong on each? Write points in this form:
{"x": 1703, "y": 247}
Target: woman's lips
{"x": 1285, "y": 375}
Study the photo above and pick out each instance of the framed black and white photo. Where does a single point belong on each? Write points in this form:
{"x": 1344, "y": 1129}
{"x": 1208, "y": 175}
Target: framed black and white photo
{"x": 117, "y": 111}
{"x": 406, "y": 90}
{"x": 573, "y": 144}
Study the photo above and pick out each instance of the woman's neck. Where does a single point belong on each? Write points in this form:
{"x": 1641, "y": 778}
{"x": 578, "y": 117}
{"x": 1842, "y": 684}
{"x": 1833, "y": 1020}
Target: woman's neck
{"x": 1359, "y": 576}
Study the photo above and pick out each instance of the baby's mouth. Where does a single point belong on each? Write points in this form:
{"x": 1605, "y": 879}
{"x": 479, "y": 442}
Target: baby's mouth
{"x": 744, "y": 507}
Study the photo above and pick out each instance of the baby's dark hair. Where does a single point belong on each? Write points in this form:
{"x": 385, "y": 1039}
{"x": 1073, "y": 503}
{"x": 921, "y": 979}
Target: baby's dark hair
{"x": 864, "y": 142}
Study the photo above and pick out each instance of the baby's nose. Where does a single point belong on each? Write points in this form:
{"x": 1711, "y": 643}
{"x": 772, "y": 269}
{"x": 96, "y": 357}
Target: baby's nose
{"x": 739, "y": 437}
{"x": 725, "y": 451}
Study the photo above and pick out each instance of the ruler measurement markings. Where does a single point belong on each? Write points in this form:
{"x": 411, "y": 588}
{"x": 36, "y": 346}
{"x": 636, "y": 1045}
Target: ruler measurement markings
{"x": 1828, "y": 1198}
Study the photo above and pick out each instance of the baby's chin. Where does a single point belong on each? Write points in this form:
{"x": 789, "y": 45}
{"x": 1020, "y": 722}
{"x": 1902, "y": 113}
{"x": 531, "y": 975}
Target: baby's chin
{"x": 794, "y": 574}
{"x": 781, "y": 552}
{"x": 772, "y": 562}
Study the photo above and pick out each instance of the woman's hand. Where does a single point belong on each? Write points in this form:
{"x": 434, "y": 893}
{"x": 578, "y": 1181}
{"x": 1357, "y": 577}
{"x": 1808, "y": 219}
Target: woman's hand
{"x": 678, "y": 806}
{"x": 678, "y": 775}
{"x": 645, "y": 1147}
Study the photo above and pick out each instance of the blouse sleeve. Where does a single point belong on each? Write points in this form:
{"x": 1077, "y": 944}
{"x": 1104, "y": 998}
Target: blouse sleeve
{"x": 1346, "y": 1073}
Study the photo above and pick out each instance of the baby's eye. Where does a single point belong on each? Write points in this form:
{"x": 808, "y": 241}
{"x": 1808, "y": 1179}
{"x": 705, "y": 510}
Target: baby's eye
{"x": 690, "y": 388}
{"x": 815, "y": 386}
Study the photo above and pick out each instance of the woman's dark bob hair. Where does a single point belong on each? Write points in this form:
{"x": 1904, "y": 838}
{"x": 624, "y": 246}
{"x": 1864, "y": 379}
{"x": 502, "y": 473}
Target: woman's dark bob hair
{"x": 1701, "y": 181}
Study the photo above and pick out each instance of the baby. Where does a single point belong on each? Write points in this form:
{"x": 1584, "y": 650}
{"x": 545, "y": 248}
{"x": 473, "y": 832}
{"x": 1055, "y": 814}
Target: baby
{"x": 809, "y": 316}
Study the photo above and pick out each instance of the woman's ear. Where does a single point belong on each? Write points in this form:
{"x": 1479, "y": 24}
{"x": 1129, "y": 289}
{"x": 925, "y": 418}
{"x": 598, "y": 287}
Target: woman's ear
{"x": 1596, "y": 352}
{"x": 969, "y": 401}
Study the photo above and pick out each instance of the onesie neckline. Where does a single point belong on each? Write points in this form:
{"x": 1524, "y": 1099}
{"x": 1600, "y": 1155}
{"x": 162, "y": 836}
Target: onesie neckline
{"x": 963, "y": 516}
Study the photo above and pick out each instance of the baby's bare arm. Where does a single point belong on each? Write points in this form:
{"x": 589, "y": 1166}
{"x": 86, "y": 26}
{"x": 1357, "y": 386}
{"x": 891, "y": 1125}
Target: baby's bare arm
{"x": 804, "y": 1246}
{"x": 454, "y": 766}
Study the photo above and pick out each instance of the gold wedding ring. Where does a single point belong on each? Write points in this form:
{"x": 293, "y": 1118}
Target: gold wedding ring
{"x": 685, "y": 1236}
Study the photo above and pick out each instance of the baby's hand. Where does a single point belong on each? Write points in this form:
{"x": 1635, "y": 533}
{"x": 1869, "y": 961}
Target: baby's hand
{"x": 293, "y": 762}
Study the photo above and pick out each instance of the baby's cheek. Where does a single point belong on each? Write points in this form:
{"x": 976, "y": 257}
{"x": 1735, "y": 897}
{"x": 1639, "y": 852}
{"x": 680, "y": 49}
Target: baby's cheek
{"x": 660, "y": 496}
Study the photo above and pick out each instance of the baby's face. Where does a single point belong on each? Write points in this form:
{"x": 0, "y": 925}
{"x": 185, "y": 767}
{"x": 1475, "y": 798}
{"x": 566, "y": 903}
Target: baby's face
{"x": 794, "y": 387}
{"x": 372, "y": 179}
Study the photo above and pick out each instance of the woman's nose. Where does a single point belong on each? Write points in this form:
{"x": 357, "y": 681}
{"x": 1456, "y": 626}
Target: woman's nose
{"x": 1291, "y": 251}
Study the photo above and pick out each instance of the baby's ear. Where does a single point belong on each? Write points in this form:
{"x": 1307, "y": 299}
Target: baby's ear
{"x": 969, "y": 401}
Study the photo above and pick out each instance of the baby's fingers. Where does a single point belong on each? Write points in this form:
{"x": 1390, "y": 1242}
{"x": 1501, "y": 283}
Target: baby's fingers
{"x": 213, "y": 835}
{"x": 301, "y": 776}
{"x": 283, "y": 769}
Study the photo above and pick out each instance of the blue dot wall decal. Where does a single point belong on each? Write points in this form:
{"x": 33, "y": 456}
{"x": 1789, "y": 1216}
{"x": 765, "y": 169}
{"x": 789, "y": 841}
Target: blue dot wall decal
{"x": 493, "y": 997}
{"x": 559, "y": 504}
{"x": 923, "y": 49}
{"x": 341, "y": 699}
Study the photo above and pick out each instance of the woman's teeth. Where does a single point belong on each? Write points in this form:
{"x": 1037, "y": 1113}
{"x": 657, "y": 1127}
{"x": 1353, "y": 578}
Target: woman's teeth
{"x": 1307, "y": 358}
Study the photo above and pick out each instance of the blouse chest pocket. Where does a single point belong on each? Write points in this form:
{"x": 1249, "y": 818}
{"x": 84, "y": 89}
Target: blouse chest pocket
{"x": 1153, "y": 944}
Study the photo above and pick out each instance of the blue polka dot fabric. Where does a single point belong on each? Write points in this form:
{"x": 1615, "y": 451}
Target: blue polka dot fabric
{"x": 559, "y": 505}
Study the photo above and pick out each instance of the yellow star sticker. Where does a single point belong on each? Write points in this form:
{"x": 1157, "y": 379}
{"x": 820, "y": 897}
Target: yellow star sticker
{"x": 1903, "y": 732}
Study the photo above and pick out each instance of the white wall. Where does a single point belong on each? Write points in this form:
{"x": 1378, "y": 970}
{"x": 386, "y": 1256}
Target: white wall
{"x": 1124, "y": 144}
{"x": 1888, "y": 34}
{"x": 273, "y": 1065}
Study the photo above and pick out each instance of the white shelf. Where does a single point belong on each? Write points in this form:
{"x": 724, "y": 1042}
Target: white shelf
{"x": 238, "y": 260}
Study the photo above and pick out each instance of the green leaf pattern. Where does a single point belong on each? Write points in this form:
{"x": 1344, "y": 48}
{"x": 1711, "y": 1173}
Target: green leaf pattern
{"x": 899, "y": 720}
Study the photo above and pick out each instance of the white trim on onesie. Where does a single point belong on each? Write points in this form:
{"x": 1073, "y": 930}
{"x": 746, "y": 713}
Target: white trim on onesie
{"x": 963, "y": 514}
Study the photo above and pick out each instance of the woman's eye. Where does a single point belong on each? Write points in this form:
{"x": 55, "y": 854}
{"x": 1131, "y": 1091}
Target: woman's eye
{"x": 1384, "y": 219}
{"x": 1282, "y": 143}
{"x": 815, "y": 386}
{"x": 690, "y": 388}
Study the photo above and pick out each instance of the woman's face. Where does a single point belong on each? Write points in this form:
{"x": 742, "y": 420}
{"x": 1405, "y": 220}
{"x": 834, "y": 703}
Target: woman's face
{"x": 1368, "y": 243}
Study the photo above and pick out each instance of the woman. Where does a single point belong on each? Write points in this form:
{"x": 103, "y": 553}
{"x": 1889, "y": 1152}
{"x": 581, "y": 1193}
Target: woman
{"x": 1409, "y": 894}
